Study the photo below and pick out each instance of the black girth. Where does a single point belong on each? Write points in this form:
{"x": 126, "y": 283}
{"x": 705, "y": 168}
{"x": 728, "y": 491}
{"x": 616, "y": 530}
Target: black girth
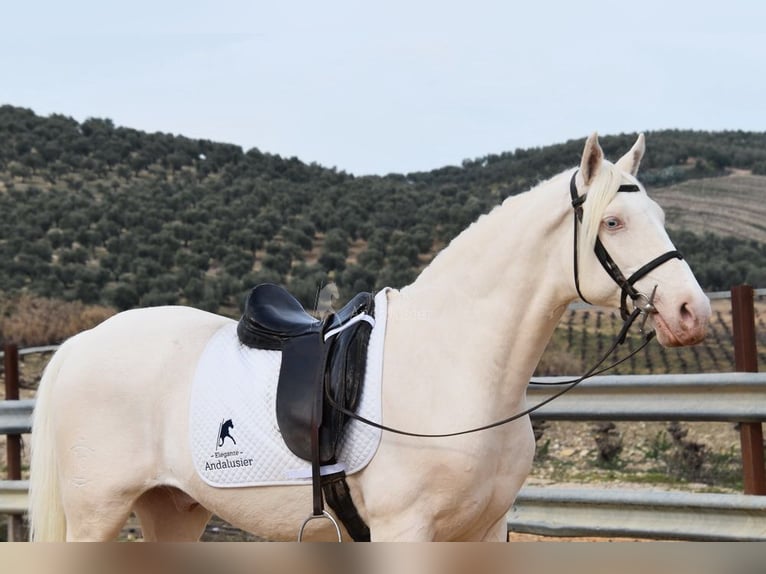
{"x": 626, "y": 285}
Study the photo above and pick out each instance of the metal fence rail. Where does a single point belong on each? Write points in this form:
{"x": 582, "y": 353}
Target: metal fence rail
{"x": 34, "y": 350}
{"x": 16, "y": 416}
{"x": 594, "y": 512}
{"x": 13, "y": 496}
{"x": 720, "y": 397}
{"x": 639, "y": 514}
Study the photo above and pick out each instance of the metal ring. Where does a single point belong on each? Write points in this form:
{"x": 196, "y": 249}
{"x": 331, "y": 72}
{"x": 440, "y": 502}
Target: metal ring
{"x": 324, "y": 515}
{"x": 642, "y": 304}
{"x": 646, "y": 308}
{"x": 645, "y": 303}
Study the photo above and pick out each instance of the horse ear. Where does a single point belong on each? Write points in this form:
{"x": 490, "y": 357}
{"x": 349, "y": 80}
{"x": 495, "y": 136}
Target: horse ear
{"x": 592, "y": 156}
{"x": 630, "y": 161}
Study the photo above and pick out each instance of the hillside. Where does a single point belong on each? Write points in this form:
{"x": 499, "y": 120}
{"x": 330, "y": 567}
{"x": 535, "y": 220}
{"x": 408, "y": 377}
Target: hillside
{"x": 732, "y": 205}
{"x": 102, "y": 214}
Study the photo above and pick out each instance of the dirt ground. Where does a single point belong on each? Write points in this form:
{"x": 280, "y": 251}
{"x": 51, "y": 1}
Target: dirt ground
{"x": 708, "y": 458}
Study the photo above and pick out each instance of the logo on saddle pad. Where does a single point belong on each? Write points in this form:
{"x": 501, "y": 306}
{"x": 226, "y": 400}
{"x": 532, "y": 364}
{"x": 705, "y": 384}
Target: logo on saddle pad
{"x": 226, "y": 459}
{"x": 223, "y": 432}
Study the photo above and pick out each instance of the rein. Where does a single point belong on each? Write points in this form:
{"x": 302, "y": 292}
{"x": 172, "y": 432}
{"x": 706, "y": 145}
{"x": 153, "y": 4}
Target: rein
{"x": 642, "y": 305}
{"x": 571, "y": 384}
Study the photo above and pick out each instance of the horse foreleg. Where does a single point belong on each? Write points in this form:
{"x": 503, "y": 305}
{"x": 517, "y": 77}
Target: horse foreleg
{"x": 170, "y": 515}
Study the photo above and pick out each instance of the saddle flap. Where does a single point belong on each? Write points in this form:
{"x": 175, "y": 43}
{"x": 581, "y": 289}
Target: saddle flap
{"x": 296, "y": 394}
{"x": 311, "y": 365}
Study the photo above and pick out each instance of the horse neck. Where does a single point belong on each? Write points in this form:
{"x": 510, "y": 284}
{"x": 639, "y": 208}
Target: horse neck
{"x": 496, "y": 293}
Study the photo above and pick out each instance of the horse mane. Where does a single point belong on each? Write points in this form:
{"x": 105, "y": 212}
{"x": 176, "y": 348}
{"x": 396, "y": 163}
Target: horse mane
{"x": 601, "y": 192}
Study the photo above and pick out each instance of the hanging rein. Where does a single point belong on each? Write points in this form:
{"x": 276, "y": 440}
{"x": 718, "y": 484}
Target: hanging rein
{"x": 642, "y": 305}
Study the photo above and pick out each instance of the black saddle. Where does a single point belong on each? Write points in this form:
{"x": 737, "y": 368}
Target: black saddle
{"x": 273, "y": 316}
{"x": 320, "y": 359}
{"x": 311, "y": 366}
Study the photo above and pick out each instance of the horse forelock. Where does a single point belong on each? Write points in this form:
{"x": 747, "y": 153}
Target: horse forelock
{"x": 601, "y": 192}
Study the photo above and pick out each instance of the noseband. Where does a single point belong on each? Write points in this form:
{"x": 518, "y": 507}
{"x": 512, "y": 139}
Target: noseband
{"x": 641, "y": 302}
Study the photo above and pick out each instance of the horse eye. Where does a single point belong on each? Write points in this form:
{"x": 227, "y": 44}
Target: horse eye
{"x": 612, "y": 223}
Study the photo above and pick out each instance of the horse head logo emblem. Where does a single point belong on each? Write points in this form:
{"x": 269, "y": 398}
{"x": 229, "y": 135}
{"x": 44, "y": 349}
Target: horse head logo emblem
{"x": 224, "y": 432}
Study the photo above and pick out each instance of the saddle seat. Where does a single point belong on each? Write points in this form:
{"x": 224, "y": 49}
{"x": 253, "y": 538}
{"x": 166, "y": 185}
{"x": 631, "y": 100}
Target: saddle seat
{"x": 273, "y": 316}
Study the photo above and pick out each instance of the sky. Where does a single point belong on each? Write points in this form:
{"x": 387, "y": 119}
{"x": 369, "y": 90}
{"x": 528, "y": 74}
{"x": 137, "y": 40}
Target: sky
{"x": 389, "y": 86}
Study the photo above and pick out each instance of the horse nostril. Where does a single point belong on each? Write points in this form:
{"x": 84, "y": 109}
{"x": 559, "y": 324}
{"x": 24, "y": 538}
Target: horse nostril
{"x": 687, "y": 315}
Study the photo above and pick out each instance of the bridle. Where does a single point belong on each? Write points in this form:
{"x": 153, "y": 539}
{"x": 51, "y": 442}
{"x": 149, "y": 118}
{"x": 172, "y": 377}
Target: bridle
{"x": 642, "y": 305}
{"x": 641, "y": 301}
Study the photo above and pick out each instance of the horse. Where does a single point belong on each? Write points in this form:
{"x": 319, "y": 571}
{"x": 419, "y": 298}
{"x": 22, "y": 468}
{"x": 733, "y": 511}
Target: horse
{"x": 112, "y": 406}
{"x": 224, "y": 433}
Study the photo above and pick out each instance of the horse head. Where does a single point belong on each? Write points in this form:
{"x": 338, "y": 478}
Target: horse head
{"x": 631, "y": 229}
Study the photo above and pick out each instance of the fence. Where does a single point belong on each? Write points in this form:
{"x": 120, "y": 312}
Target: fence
{"x": 722, "y": 397}
{"x": 739, "y": 397}
{"x": 15, "y": 420}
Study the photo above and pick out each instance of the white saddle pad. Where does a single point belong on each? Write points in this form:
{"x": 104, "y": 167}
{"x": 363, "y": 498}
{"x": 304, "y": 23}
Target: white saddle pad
{"x": 235, "y": 439}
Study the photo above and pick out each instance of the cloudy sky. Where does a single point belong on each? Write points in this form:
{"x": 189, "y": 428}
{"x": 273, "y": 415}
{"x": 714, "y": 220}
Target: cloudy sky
{"x": 389, "y": 86}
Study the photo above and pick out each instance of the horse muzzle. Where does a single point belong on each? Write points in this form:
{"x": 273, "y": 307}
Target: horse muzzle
{"x": 682, "y": 324}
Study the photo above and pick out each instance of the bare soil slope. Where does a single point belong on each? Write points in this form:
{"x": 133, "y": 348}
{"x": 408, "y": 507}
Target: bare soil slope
{"x": 734, "y": 205}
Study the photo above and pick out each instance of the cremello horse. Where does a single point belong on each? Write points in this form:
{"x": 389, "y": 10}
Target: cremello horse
{"x": 110, "y": 427}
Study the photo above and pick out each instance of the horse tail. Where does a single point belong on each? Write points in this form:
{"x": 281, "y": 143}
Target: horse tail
{"x": 47, "y": 522}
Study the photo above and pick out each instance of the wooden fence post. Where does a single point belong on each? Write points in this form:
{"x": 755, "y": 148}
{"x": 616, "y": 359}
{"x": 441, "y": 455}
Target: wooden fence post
{"x": 746, "y": 360}
{"x": 13, "y": 441}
